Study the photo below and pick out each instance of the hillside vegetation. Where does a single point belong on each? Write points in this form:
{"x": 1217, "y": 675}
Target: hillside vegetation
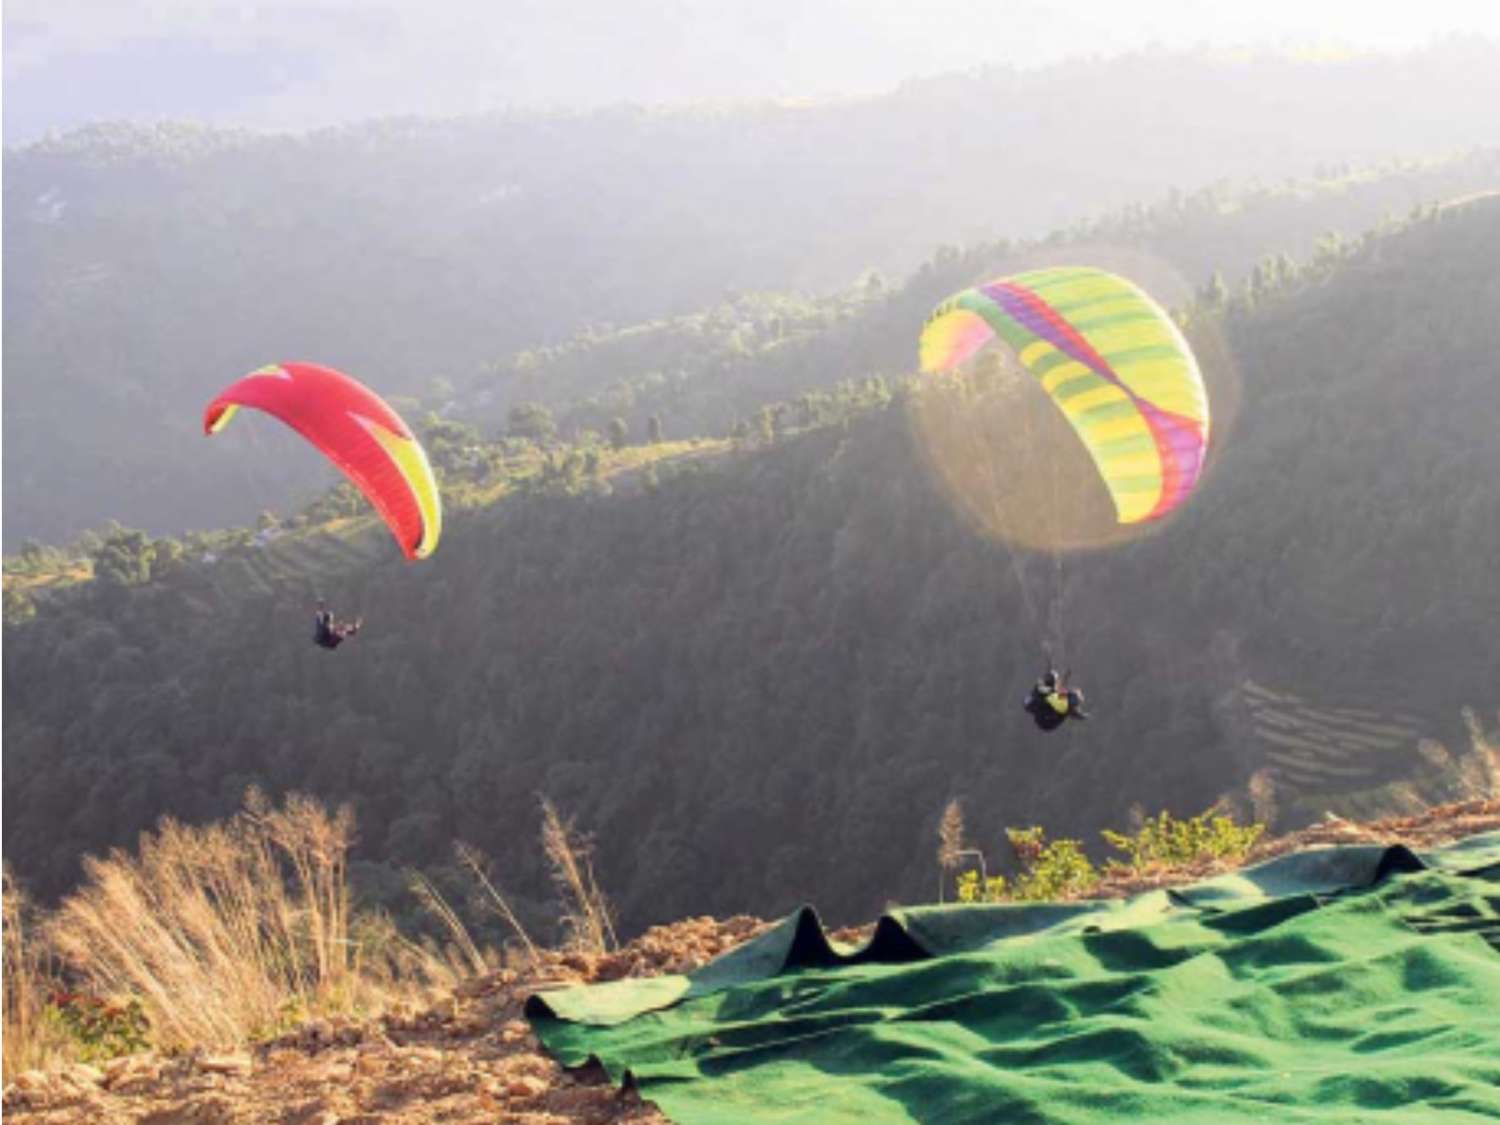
{"x": 758, "y": 676}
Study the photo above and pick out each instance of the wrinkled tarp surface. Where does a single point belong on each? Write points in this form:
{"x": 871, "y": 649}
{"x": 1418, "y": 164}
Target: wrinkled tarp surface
{"x": 1337, "y": 985}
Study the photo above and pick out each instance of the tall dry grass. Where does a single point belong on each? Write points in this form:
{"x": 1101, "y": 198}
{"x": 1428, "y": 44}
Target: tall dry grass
{"x": 1261, "y": 790}
{"x": 473, "y": 859}
{"x": 953, "y": 850}
{"x": 225, "y": 932}
{"x": 27, "y": 1038}
{"x": 463, "y": 955}
{"x": 585, "y": 919}
{"x": 401, "y": 971}
{"x": 1480, "y": 771}
{"x": 229, "y": 932}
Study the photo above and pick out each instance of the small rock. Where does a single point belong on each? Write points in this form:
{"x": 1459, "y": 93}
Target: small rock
{"x": 81, "y": 1074}
{"x": 211, "y": 1109}
{"x": 225, "y": 1064}
{"x": 514, "y": 1031}
{"x": 30, "y": 1081}
{"x": 525, "y": 1087}
{"x": 488, "y": 1101}
{"x": 479, "y": 986}
{"x": 118, "y": 1066}
{"x": 315, "y": 1112}
{"x": 316, "y": 1033}
{"x": 614, "y": 966}
{"x": 134, "y": 1082}
{"x": 351, "y": 1035}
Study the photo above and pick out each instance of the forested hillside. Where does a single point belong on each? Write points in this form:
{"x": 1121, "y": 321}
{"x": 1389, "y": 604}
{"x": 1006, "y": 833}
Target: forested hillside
{"x": 706, "y": 371}
{"x": 758, "y": 677}
{"x": 419, "y": 251}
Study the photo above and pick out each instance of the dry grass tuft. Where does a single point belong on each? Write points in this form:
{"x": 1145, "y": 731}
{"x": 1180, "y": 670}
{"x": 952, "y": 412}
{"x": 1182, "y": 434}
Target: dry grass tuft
{"x": 953, "y": 851}
{"x": 1262, "y": 793}
{"x": 224, "y": 933}
{"x": 951, "y": 836}
{"x": 466, "y": 956}
{"x": 393, "y": 967}
{"x": 1480, "y": 769}
{"x": 586, "y": 914}
{"x": 475, "y": 861}
{"x": 29, "y": 1040}
{"x": 461, "y": 958}
{"x": 234, "y": 932}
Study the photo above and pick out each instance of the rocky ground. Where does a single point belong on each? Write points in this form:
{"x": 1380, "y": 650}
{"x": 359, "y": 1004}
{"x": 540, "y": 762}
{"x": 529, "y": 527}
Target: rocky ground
{"x": 473, "y": 1058}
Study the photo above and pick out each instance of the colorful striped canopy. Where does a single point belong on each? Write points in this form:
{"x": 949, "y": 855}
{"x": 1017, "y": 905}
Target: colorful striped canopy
{"x": 1113, "y": 362}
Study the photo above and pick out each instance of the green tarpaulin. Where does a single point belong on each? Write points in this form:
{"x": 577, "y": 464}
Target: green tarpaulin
{"x": 1345, "y": 984}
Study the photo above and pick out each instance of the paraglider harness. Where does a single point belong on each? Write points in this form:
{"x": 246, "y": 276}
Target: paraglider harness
{"x": 328, "y": 633}
{"x": 1051, "y": 702}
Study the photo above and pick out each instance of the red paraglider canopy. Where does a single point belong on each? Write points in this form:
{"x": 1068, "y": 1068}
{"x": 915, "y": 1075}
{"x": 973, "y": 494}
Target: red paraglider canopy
{"x": 356, "y": 430}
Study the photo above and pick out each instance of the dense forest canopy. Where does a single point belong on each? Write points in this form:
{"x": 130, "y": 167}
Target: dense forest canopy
{"x": 757, "y": 674}
{"x": 419, "y": 252}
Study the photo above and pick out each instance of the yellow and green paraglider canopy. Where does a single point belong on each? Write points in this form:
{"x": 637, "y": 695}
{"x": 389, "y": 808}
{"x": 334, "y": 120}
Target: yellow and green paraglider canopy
{"x": 1112, "y": 361}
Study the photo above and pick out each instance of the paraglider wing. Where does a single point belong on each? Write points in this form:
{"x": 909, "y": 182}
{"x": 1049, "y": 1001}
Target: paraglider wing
{"x": 356, "y": 430}
{"x": 1112, "y": 361}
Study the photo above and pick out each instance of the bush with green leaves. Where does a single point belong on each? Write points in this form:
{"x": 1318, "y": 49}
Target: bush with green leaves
{"x": 1166, "y": 841}
{"x": 974, "y": 888}
{"x": 19, "y": 607}
{"x": 1049, "y": 869}
{"x": 1056, "y": 869}
{"x": 102, "y": 1028}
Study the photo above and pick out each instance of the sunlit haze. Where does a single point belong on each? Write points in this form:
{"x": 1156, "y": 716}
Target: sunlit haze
{"x": 285, "y": 64}
{"x": 1011, "y": 484}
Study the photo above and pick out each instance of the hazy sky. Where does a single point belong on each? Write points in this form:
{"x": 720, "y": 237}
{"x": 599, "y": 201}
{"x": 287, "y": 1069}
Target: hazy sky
{"x": 301, "y": 63}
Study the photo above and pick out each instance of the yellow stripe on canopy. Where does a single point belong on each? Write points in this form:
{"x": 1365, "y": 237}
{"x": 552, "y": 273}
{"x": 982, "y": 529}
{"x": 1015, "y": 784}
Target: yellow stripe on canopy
{"x": 412, "y": 461}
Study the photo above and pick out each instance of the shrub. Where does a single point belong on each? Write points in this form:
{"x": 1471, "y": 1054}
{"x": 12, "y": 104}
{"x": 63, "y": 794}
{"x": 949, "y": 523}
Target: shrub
{"x": 101, "y": 1028}
{"x": 1049, "y": 870}
{"x": 974, "y": 888}
{"x": 1058, "y": 869}
{"x": 1165, "y": 841}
